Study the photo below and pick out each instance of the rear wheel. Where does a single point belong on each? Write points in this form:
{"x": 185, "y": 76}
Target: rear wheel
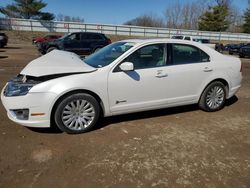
{"x": 241, "y": 56}
{"x": 213, "y": 97}
{"x": 77, "y": 113}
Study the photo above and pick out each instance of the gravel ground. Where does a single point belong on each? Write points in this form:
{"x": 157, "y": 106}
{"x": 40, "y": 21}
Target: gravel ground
{"x": 176, "y": 147}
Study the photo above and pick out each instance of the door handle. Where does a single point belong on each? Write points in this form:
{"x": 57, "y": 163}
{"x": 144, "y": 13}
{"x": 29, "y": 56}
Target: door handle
{"x": 207, "y": 69}
{"x": 161, "y": 75}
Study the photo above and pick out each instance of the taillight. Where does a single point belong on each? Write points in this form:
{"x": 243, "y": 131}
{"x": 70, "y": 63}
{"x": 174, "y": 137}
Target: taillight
{"x": 109, "y": 41}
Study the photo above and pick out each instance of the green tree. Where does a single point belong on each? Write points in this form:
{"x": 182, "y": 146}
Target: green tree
{"x": 26, "y": 9}
{"x": 215, "y": 19}
{"x": 246, "y": 25}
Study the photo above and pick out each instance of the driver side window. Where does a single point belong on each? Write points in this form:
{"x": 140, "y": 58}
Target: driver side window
{"x": 148, "y": 57}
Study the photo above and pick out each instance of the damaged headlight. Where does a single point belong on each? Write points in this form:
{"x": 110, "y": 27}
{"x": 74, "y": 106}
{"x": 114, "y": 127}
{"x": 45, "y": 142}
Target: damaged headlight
{"x": 17, "y": 89}
{"x": 19, "y": 86}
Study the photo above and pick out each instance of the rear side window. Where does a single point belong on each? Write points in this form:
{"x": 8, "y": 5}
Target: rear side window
{"x": 85, "y": 36}
{"x": 93, "y": 36}
{"x": 186, "y": 54}
{"x": 98, "y": 37}
{"x": 187, "y": 38}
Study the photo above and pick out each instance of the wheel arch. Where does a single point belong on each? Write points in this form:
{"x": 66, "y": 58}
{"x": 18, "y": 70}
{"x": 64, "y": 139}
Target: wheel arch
{"x": 222, "y": 80}
{"x": 58, "y": 100}
{"x": 50, "y": 46}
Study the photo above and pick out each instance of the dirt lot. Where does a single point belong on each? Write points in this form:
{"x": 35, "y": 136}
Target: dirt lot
{"x": 177, "y": 147}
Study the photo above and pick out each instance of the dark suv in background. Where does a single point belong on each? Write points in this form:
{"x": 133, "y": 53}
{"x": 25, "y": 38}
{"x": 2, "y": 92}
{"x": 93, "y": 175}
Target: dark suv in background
{"x": 235, "y": 48}
{"x": 3, "y": 40}
{"x": 245, "y": 51}
{"x": 81, "y": 43}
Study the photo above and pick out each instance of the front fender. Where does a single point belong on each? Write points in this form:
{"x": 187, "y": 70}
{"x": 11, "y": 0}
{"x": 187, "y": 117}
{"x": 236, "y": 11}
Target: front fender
{"x": 86, "y": 81}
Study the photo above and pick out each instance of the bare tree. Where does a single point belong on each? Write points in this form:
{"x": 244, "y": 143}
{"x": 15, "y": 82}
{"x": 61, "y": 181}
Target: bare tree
{"x": 61, "y": 17}
{"x": 228, "y": 3}
{"x": 187, "y": 15}
{"x": 146, "y": 20}
{"x": 173, "y": 14}
{"x": 235, "y": 19}
{"x": 184, "y": 15}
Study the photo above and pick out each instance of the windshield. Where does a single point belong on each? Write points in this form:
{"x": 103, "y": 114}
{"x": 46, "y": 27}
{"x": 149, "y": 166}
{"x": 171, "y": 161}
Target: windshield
{"x": 108, "y": 54}
{"x": 65, "y": 35}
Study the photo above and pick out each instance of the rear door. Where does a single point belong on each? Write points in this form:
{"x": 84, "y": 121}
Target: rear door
{"x": 190, "y": 68}
{"x": 86, "y": 43}
{"x": 97, "y": 41}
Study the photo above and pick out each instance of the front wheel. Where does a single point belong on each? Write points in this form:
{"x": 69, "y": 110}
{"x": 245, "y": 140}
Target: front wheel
{"x": 77, "y": 113}
{"x": 213, "y": 97}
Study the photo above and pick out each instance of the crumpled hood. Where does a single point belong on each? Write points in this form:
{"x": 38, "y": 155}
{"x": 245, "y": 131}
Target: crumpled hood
{"x": 56, "y": 62}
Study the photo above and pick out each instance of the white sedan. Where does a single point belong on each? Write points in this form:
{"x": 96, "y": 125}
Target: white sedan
{"x": 125, "y": 77}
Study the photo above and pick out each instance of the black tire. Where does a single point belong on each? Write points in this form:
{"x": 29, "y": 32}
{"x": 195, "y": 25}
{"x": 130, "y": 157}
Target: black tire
{"x": 205, "y": 101}
{"x": 1, "y": 45}
{"x": 241, "y": 56}
{"x": 51, "y": 49}
{"x": 77, "y": 116}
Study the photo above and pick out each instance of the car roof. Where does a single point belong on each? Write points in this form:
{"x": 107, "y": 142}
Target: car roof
{"x": 88, "y": 32}
{"x": 246, "y": 46}
{"x": 139, "y": 42}
{"x": 163, "y": 40}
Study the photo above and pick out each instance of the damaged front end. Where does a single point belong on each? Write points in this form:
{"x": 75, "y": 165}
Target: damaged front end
{"x": 21, "y": 84}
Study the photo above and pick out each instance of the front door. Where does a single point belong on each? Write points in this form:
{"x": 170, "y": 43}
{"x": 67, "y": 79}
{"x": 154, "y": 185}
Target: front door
{"x": 145, "y": 86}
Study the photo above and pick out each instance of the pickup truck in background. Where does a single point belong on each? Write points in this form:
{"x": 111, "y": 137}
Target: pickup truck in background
{"x": 203, "y": 41}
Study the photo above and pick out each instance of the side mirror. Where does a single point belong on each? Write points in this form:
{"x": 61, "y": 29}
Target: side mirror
{"x": 127, "y": 66}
